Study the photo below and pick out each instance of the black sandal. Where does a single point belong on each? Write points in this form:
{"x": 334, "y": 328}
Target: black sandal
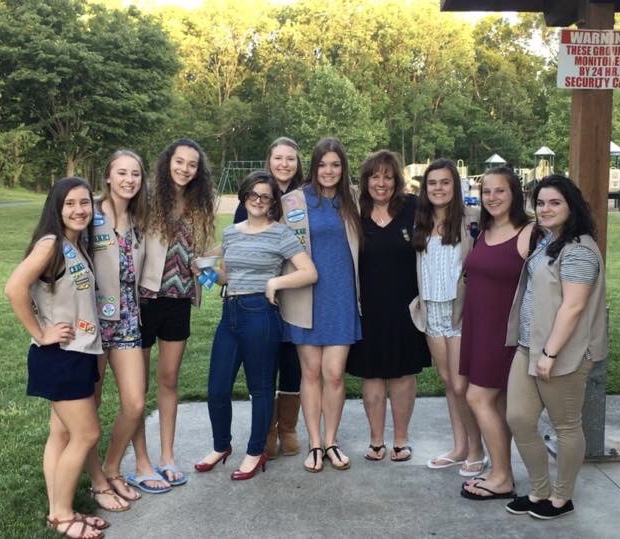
{"x": 397, "y": 450}
{"x": 343, "y": 465}
{"x": 376, "y": 449}
{"x": 316, "y": 451}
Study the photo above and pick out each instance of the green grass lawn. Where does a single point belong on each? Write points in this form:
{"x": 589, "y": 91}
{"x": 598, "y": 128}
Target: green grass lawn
{"x": 23, "y": 421}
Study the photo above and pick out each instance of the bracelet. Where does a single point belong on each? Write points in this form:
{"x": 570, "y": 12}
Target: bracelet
{"x": 550, "y": 356}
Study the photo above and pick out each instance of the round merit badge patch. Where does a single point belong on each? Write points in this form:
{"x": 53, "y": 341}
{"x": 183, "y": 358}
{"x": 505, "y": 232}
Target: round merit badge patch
{"x": 294, "y": 216}
{"x": 108, "y": 309}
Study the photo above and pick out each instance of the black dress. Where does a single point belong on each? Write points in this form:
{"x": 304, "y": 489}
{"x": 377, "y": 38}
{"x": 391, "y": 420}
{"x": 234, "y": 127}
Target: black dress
{"x": 391, "y": 345}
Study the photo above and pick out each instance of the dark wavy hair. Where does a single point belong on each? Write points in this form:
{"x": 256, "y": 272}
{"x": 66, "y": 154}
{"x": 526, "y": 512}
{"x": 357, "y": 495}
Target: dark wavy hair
{"x": 262, "y": 176}
{"x": 517, "y": 214}
{"x": 424, "y": 209}
{"x": 138, "y": 205}
{"x": 198, "y": 198}
{"x": 298, "y": 177}
{"x": 347, "y": 208}
{"x": 374, "y": 163}
{"x": 579, "y": 222}
{"x": 51, "y": 223}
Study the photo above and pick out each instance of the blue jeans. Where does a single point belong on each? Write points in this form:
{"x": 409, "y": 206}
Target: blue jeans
{"x": 249, "y": 332}
{"x": 289, "y": 369}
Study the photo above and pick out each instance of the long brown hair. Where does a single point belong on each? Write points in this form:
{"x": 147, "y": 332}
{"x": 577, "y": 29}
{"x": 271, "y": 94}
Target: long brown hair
{"x": 424, "y": 211}
{"x": 347, "y": 208}
{"x": 51, "y": 223}
{"x": 198, "y": 198}
{"x": 383, "y": 159}
{"x": 517, "y": 214}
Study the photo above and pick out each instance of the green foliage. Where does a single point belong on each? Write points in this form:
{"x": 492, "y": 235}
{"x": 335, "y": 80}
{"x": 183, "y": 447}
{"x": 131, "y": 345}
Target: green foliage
{"x": 84, "y": 79}
{"x": 329, "y": 105}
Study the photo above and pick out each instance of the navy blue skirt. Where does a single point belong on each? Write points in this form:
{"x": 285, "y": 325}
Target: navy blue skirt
{"x": 61, "y": 375}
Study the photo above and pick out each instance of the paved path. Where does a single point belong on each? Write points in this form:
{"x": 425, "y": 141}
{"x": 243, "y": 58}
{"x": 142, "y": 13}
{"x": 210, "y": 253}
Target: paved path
{"x": 372, "y": 499}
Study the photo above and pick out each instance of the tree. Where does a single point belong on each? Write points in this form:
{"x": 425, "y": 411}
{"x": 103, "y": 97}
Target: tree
{"x": 329, "y": 105}
{"x": 85, "y": 79}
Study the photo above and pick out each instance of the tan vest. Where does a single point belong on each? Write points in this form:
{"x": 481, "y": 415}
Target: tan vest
{"x": 155, "y": 251}
{"x": 417, "y": 308}
{"x": 107, "y": 267}
{"x": 72, "y": 302}
{"x": 590, "y": 333}
{"x": 296, "y": 303}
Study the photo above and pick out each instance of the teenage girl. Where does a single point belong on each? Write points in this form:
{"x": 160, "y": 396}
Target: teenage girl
{"x": 249, "y": 332}
{"x": 283, "y": 162}
{"x": 493, "y": 269}
{"x": 324, "y": 319}
{"x": 52, "y": 292}
{"x": 443, "y": 236}
{"x": 119, "y": 224}
{"x": 181, "y": 226}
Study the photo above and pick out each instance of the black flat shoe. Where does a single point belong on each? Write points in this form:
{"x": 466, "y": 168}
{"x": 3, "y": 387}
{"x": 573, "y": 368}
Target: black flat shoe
{"x": 545, "y": 510}
{"x": 521, "y": 505}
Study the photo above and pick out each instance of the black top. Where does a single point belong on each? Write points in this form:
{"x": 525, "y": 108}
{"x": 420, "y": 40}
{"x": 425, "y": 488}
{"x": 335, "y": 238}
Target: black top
{"x": 392, "y": 346}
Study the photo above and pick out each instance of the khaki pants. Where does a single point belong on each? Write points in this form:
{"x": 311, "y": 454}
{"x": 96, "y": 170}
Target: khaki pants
{"x": 563, "y": 398}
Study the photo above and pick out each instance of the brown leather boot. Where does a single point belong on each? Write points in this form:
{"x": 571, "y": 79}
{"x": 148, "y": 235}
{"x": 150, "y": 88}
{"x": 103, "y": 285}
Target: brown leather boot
{"x": 271, "y": 445}
{"x": 288, "y": 412}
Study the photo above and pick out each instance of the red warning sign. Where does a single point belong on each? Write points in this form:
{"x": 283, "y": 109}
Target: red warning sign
{"x": 589, "y": 59}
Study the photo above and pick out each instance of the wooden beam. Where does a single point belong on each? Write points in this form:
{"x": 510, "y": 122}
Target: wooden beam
{"x": 590, "y": 133}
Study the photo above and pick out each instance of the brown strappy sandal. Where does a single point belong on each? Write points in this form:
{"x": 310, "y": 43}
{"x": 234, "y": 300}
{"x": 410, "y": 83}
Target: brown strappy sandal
{"x": 77, "y": 519}
{"x": 112, "y": 493}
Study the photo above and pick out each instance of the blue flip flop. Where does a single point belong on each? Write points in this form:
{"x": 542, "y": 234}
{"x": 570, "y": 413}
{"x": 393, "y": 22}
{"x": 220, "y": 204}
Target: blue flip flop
{"x": 140, "y": 483}
{"x": 172, "y": 468}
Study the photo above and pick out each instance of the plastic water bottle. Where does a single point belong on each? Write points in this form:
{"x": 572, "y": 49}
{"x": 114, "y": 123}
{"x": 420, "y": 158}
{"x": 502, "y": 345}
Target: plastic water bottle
{"x": 207, "y": 278}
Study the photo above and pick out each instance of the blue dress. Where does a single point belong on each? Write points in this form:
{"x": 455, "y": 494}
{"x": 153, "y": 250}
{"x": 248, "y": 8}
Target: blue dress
{"x": 335, "y": 317}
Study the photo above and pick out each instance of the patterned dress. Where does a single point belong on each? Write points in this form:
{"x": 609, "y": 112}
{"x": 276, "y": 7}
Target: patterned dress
{"x": 125, "y": 332}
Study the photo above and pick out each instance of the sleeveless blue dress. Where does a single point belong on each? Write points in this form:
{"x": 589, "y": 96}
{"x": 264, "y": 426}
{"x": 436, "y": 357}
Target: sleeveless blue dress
{"x": 335, "y": 316}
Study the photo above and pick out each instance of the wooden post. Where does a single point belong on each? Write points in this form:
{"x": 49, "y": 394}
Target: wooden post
{"x": 590, "y": 134}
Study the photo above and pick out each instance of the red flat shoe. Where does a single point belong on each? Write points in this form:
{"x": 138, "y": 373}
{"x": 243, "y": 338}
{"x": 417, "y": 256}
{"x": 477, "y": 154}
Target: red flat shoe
{"x": 208, "y": 466}
{"x": 238, "y": 475}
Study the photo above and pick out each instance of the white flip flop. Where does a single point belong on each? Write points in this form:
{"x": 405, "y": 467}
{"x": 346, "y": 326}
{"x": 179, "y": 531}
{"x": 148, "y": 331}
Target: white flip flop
{"x": 473, "y": 473}
{"x": 449, "y": 462}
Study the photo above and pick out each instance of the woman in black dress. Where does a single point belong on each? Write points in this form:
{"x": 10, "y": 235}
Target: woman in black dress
{"x": 392, "y": 351}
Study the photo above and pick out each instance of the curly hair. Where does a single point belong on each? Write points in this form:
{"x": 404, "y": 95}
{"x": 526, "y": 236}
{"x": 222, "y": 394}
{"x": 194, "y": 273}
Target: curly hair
{"x": 51, "y": 223}
{"x": 579, "y": 221}
{"x": 138, "y": 205}
{"x": 376, "y": 162}
{"x": 197, "y": 197}
{"x": 455, "y": 211}
{"x": 347, "y": 208}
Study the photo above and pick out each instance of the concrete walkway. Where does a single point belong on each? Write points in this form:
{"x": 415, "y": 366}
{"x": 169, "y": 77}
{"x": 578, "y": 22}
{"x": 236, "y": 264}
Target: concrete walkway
{"x": 372, "y": 499}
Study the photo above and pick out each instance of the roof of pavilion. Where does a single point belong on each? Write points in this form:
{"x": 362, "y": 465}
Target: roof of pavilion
{"x": 557, "y": 12}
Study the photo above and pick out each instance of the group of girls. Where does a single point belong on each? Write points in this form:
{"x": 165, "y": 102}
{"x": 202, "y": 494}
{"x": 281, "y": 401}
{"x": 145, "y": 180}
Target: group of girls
{"x": 100, "y": 284}
{"x": 514, "y": 314}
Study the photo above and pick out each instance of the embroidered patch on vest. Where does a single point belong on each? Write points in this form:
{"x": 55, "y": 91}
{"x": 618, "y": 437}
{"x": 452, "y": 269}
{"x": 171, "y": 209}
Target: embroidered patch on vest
{"x": 69, "y": 251}
{"x": 87, "y": 327}
{"x": 296, "y": 215}
{"x": 108, "y": 309}
{"x": 98, "y": 219}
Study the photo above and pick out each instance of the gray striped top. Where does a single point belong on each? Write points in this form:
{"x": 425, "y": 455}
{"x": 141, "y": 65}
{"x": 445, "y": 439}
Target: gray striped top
{"x": 580, "y": 265}
{"x": 252, "y": 259}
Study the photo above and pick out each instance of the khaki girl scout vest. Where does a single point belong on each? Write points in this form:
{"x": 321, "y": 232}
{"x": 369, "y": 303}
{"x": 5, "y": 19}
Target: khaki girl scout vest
{"x": 590, "y": 333}
{"x": 296, "y": 303}
{"x": 107, "y": 266}
{"x": 73, "y": 301}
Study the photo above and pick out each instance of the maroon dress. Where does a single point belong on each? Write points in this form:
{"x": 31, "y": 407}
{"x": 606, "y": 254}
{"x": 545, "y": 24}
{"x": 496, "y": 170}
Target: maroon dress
{"x": 492, "y": 277}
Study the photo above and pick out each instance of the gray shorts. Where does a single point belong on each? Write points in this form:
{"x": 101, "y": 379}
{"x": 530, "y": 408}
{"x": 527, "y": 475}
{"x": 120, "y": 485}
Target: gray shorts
{"x": 439, "y": 319}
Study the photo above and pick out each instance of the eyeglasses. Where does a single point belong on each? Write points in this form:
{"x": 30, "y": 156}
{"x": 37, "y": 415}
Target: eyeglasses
{"x": 264, "y": 199}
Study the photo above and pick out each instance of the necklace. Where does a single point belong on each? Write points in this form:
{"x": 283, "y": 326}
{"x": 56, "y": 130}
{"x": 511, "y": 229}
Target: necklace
{"x": 379, "y": 218}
